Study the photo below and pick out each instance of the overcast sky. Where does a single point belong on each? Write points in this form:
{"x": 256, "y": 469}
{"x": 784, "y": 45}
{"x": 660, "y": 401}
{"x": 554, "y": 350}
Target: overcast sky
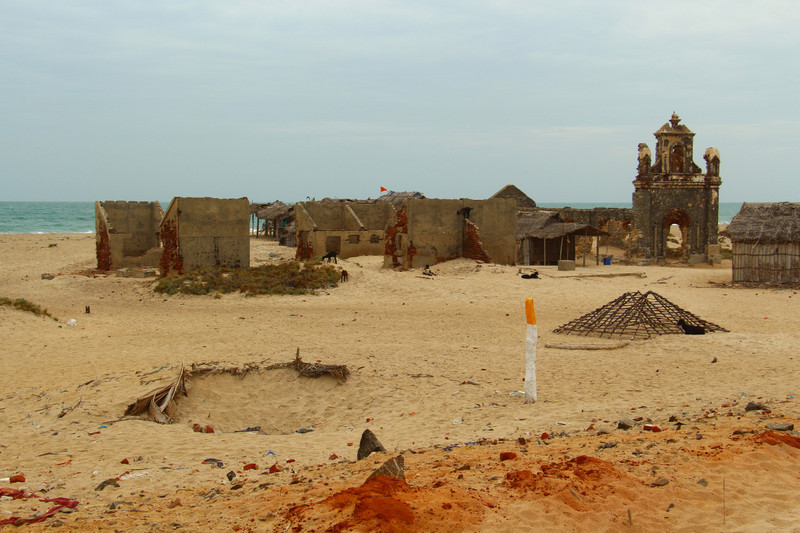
{"x": 280, "y": 100}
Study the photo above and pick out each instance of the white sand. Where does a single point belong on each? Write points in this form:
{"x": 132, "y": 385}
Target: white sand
{"x": 411, "y": 343}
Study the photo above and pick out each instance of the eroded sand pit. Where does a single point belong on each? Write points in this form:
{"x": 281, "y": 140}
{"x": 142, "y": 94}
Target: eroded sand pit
{"x": 277, "y": 401}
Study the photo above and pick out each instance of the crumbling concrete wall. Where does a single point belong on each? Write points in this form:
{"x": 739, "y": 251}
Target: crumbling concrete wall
{"x": 429, "y": 231}
{"x": 617, "y": 221}
{"x": 351, "y": 229}
{"x": 206, "y": 232}
{"x": 127, "y": 234}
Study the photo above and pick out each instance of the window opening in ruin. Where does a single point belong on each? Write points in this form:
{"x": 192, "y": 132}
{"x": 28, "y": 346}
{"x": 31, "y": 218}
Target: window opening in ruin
{"x": 676, "y": 159}
{"x": 352, "y": 239}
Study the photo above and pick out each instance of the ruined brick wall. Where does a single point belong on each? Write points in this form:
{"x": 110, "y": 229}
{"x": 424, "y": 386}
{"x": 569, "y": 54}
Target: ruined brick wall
{"x": 615, "y": 220}
{"x": 305, "y": 248}
{"x": 674, "y": 190}
{"x": 171, "y": 260}
{"x": 211, "y": 231}
{"x": 473, "y": 247}
{"x": 695, "y": 210}
{"x": 103, "y": 245}
{"x": 397, "y": 226}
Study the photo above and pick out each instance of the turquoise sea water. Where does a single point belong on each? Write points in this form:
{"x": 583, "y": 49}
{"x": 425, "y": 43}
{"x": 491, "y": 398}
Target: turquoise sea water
{"x": 78, "y": 217}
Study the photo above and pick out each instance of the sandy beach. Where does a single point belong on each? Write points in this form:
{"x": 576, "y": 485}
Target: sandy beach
{"x": 435, "y": 363}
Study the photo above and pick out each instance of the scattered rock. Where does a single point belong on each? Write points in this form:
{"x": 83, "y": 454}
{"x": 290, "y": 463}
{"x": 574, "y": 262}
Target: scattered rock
{"x": 230, "y": 475}
{"x": 211, "y": 494}
{"x": 110, "y": 482}
{"x": 507, "y": 456}
{"x": 753, "y": 406}
{"x": 607, "y": 445}
{"x": 702, "y": 482}
{"x": 625, "y": 423}
{"x": 305, "y": 430}
{"x": 251, "y": 429}
{"x": 659, "y": 482}
{"x": 393, "y": 468}
{"x": 369, "y": 443}
{"x": 174, "y": 503}
{"x": 783, "y": 426}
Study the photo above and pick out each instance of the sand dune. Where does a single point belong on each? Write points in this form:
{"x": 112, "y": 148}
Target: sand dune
{"x": 434, "y": 364}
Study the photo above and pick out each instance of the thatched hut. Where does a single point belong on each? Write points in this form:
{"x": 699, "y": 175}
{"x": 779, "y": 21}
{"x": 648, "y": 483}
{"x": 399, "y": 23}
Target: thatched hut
{"x": 276, "y": 216}
{"x": 543, "y": 238}
{"x": 766, "y": 243}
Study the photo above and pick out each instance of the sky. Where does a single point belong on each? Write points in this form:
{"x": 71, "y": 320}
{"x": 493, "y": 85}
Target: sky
{"x": 284, "y": 100}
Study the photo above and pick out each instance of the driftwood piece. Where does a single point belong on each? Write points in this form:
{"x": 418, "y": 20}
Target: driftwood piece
{"x": 155, "y": 403}
{"x": 609, "y": 275}
{"x": 560, "y": 346}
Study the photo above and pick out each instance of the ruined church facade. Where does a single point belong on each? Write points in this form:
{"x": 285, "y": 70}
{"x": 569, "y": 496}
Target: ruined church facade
{"x": 672, "y": 189}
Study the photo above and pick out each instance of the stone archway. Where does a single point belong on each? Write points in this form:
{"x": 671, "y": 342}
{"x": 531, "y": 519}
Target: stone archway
{"x": 680, "y": 218}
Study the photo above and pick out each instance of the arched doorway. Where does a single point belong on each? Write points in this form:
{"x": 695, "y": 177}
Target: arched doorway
{"x": 675, "y": 235}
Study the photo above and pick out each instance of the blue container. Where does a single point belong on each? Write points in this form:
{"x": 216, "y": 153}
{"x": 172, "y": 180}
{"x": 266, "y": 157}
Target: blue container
{"x": 607, "y": 261}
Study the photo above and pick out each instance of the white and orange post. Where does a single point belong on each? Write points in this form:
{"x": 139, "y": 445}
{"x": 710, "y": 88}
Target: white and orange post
{"x": 530, "y": 352}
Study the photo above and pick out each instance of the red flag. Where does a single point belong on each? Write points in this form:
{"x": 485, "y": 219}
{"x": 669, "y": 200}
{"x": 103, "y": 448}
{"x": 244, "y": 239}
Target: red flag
{"x": 384, "y": 189}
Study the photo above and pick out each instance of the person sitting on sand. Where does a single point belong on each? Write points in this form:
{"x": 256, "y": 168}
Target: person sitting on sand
{"x": 427, "y": 271}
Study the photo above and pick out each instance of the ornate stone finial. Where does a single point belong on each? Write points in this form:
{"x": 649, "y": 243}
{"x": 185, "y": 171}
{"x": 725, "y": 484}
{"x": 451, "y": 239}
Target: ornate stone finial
{"x": 675, "y": 119}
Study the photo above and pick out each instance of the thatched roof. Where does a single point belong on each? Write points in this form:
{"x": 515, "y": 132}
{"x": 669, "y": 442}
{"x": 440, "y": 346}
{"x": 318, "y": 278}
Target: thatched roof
{"x": 512, "y": 191}
{"x": 396, "y": 198}
{"x": 254, "y": 208}
{"x": 777, "y": 222}
{"x": 274, "y": 210}
{"x": 542, "y": 224}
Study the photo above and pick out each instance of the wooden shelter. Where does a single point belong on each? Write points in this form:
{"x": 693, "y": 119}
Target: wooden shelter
{"x": 635, "y": 315}
{"x": 275, "y": 216}
{"x": 543, "y": 238}
{"x": 766, "y": 243}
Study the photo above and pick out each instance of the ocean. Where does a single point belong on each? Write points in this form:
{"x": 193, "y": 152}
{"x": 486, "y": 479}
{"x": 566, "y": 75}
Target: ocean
{"x": 78, "y": 217}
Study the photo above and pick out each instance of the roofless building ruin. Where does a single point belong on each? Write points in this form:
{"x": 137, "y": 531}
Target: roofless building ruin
{"x": 674, "y": 190}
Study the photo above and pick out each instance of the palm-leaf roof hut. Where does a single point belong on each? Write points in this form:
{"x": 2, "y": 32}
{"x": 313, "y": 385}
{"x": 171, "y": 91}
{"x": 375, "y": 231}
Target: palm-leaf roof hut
{"x": 276, "y": 216}
{"x": 635, "y": 315}
{"x": 543, "y": 238}
{"x": 766, "y": 243}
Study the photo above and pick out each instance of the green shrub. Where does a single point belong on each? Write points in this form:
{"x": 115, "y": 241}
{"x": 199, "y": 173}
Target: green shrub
{"x": 24, "y": 305}
{"x": 285, "y": 278}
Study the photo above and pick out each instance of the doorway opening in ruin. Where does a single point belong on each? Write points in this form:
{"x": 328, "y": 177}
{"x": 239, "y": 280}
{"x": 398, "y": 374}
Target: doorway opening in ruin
{"x": 675, "y": 242}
